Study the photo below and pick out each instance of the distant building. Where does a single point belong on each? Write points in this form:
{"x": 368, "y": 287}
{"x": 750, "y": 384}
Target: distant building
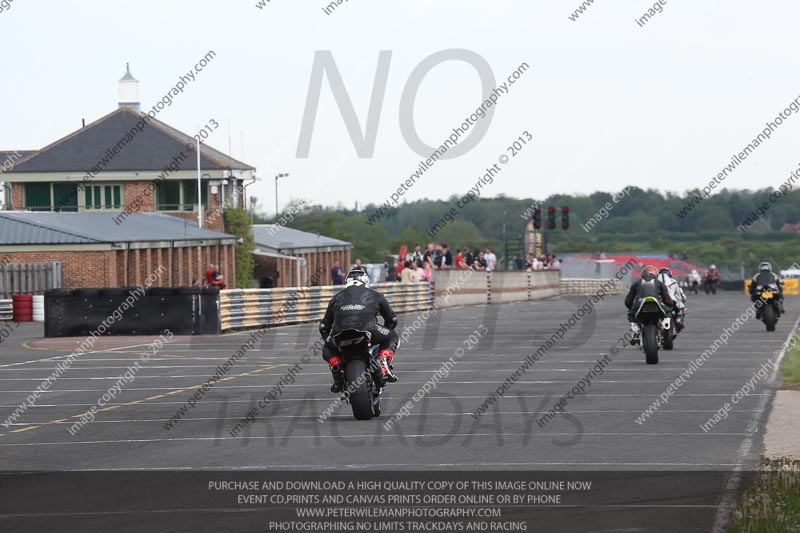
{"x": 287, "y": 257}
{"x": 123, "y": 163}
{"x": 791, "y": 228}
{"x": 95, "y": 252}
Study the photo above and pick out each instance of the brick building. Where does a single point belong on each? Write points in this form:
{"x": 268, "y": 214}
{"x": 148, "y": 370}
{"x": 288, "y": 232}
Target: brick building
{"x": 294, "y": 258}
{"x": 123, "y": 163}
{"x": 95, "y": 252}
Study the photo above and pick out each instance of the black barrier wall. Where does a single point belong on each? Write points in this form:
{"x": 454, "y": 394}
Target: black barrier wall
{"x": 131, "y": 311}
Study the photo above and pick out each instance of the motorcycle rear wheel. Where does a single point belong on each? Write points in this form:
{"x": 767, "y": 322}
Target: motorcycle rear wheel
{"x": 359, "y": 389}
{"x": 768, "y": 316}
{"x": 650, "y": 344}
{"x": 669, "y": 337}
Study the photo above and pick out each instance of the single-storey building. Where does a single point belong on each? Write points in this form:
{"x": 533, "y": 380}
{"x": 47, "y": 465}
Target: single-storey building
{"x": 287, "y": 257}
{"x": 96, "y": 252}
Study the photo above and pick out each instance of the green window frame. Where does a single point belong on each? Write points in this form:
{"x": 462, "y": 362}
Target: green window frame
{"x": 38, "y": 197}
{"x": 100, "y": 197}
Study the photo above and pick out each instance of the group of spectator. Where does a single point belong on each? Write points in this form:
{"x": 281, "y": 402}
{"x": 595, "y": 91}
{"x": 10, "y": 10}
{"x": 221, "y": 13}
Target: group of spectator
{"x": 543, "y": 262}
{"x": 419, "y": 265}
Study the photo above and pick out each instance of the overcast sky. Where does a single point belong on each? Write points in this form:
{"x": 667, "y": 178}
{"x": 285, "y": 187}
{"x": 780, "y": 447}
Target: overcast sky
{"x": 609, "y": 103}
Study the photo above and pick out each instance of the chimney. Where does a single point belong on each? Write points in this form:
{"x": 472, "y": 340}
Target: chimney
{"x": 129, "y": 90}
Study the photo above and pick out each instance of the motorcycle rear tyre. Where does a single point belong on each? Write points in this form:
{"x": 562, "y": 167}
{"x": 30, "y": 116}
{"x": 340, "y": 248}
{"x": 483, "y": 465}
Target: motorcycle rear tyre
{"x": 768, "y": 316}
{"x": 650, "y": 344}
{"x": 360, "y": 396}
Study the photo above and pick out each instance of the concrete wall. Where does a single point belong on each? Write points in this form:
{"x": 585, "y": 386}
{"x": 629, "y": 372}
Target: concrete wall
{"x": 469, "y": 287}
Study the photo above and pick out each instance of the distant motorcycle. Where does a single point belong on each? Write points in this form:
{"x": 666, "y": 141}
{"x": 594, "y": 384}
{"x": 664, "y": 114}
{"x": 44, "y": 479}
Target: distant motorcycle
{"x": 655, "y": 326}
{"x": 711, "y": 283}
{"x": 362, "y": 373}
{"x": 770, "y": 309}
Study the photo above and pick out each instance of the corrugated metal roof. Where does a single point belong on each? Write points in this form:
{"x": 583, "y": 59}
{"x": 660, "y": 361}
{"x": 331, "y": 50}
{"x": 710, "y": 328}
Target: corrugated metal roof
{"x": 155, "y": 146}
{"x": 18, "y": 228}
{"x": 277, "y": 237}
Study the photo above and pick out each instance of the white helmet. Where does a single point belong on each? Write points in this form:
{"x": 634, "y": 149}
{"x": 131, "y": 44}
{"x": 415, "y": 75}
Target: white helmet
{"x": 713, "y": 267}
{"x": 765, "y": 266}
{"x": 357, "y": 278}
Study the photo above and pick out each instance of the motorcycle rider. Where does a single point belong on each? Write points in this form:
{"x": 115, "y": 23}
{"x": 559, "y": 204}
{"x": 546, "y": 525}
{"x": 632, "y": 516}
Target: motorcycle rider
{"x": 676, "y": 294}
{"x": 648, "y": 285}
{"x": 766, "y": 277}
{"x": 356, "y": 308}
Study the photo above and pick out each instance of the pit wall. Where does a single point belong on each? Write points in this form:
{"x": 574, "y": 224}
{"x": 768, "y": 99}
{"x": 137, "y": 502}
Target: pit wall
{"x": 453, "y": 288}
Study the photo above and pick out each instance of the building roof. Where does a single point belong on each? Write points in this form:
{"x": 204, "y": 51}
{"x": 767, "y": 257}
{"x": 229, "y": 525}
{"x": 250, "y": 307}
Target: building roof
{"x": 277, "y": 237}
{"x": 128, "y": 75}
{"x": 20, "y": 228}
{"x": 20, "y": 154}
{"x": 149, "y": 149}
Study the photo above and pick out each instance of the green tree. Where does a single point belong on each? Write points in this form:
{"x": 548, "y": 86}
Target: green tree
{"x": 237, "y": 223}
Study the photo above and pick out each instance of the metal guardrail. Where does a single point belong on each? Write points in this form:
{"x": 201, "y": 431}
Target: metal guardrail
{"x": 588, "y": 287}
{"x": 6, "y": 310}
{"x": 249, "y": 308}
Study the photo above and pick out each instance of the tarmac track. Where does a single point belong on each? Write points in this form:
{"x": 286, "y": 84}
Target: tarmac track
{"x": 598, "y": 432}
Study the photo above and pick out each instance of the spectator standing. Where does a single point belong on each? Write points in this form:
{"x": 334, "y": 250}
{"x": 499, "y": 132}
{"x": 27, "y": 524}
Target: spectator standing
{"x": 459, "y": 261}
{"x": 480, "y": 262}
{"x": 416, "y": 255}
{"x": 469, "y": 259}
{"x": 447, "y": 257}
{"x": 428, "y": 255}
{"x": 337, "y": 275}
{"x": 216, "y": 278}
{"x": 210, "y": 274}
{"x": 405, "y": 276}
{"x": 491, "y": 259}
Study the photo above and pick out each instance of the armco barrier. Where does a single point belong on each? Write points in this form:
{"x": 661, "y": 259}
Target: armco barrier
{"x": 588, "y": 287}
{"x": 131, "y": 311}
{"x": 248, "y": 308}
{"x": 468, "y": 287}
{"x": 6, "y": 310}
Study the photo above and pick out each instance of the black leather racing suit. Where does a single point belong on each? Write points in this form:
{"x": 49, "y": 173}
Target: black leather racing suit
{"x": 765, "y": 278}
{"x": 649, "y": 285}
{"x": 357, "y": 308}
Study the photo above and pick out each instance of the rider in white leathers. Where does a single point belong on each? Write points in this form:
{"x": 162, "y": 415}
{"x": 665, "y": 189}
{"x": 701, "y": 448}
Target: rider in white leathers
{"x": 676, "y": 294}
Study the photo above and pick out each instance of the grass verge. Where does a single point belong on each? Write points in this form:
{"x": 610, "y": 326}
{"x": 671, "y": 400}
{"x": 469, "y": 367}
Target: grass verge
{"x": 790, "y": 366}
{"x": 772, "y": 504}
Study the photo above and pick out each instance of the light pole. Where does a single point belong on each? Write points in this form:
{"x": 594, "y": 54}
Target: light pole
{"x": 282, "y": 175}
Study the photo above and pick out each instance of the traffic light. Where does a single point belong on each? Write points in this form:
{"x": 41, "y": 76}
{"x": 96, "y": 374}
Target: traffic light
{"x": 537, "y": 218}
{"x": 565, "y": 217}
{"x": 551, "y": 218}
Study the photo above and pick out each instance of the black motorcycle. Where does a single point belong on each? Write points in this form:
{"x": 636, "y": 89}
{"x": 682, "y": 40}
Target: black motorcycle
{"x": 363, "y": 383}
{"x": 654, "y": 325}
{"x": 770, "y": 309}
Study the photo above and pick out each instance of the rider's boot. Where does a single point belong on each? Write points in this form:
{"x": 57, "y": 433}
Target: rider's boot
{"x": 337, "y": 371}
{"x": 385, "y": 367}
{"x": 635, "y": 330}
